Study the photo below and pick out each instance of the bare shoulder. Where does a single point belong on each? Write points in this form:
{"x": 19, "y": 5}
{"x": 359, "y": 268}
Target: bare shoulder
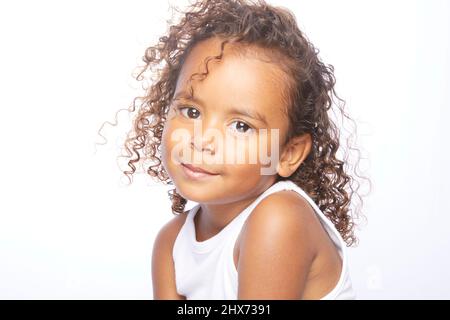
{"x": 170, "y": 230}
{"x": 277, "y": 231}
{"x": 163, "y": 271}
{"x": 284, "y": 211}
{"x": 291, "y": 201}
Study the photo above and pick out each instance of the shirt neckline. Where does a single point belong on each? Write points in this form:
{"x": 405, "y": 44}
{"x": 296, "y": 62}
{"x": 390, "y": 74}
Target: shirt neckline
{"x": 212, "y": 242}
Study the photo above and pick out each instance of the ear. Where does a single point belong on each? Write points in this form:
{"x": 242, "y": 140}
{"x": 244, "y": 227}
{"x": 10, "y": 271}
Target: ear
{"x": 293, "y": 154}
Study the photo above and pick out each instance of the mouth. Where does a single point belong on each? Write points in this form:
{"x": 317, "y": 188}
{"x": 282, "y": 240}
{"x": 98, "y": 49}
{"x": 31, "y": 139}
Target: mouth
{"x": 196, "y": 172}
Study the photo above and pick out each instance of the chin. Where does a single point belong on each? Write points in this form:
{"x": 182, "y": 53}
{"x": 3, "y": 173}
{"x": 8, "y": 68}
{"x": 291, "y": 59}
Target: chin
{"x": 201, "y": 193}
{"x": 196, "y": 188}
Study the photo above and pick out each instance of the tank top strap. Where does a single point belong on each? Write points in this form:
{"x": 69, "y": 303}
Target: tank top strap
{"x": 272, "y": 189}
{"x": 236, "y": 224}
{"x": 229, "y": 232}
{"x": 278, "y": 186}
{"x": 239, "y": 221}
{"x": 289, "y": 185}
{"x": 326, "y": 223}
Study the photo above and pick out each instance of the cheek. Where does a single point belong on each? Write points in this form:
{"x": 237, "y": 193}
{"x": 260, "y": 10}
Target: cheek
{"x": 244, "y": 154}
{"x": 167, "y": 142}
{"x": 165, "y": 138}
{"x": 244, "y": 170}
{"x": 253, "y": 151}
{"x": 174, "y": 141}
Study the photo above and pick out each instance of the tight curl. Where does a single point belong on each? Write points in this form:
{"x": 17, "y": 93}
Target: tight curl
{"x": 310, "y": 87}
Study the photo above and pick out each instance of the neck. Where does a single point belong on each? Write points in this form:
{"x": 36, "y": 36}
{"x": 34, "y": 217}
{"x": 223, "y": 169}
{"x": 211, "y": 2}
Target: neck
{"x": 210, "y": 219}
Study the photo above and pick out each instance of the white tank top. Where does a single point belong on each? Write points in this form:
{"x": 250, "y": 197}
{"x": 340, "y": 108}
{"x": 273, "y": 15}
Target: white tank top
{"x": 206, "y": 270}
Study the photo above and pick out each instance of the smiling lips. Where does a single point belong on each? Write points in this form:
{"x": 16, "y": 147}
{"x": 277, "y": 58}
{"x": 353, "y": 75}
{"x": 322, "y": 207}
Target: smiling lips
{"x": 196, "y": 173}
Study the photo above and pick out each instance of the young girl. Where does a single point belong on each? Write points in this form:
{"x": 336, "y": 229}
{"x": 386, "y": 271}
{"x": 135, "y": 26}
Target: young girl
{"x": 240, "y": 79}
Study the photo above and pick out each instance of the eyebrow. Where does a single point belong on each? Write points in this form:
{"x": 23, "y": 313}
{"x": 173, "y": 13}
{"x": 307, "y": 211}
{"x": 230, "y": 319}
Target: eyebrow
{"x": 244, "y": 111}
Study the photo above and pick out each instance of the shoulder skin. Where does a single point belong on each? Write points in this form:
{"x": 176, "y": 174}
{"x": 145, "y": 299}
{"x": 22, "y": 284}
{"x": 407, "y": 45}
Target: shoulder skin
{"x": 276, "y": 248}
{"x": 163, "y": 271}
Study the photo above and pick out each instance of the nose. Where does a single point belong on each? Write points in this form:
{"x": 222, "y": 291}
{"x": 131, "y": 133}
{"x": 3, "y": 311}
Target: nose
{"x": 202, "y": 143}
{"x": 207, "y": 134}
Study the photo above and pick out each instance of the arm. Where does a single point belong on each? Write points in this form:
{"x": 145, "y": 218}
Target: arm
{"x": 163, "y": 271}
{"x": 275, "y": 254}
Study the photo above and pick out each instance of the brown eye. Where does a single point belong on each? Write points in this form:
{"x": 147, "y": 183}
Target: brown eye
{"x": 241, "y": 127}
{"x": 189, "y": 112}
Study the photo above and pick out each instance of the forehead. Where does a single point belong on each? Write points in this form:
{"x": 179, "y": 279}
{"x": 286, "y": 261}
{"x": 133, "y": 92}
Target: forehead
{"x": 238, "y": 79}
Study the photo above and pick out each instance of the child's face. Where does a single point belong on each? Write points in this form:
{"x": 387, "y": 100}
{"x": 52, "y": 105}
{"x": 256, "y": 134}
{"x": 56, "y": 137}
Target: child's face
{"x": 210, "y": 135}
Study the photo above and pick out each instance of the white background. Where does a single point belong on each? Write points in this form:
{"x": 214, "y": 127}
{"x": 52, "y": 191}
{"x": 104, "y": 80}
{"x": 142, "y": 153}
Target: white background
{"x": 71, "y": 228}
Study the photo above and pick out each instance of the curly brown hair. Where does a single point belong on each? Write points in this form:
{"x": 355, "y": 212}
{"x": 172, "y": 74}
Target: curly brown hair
{"x": 310, "y": 87}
